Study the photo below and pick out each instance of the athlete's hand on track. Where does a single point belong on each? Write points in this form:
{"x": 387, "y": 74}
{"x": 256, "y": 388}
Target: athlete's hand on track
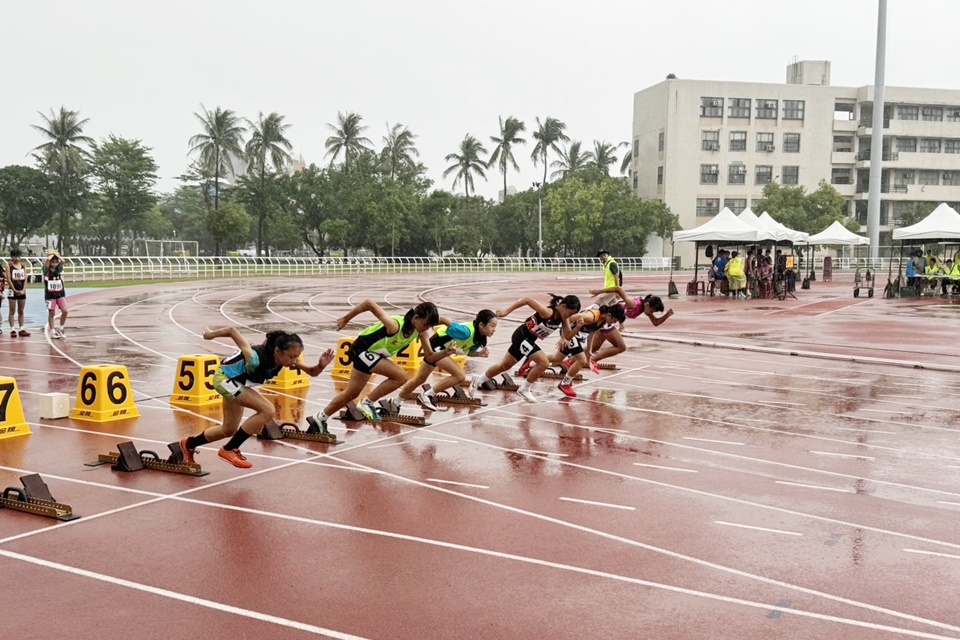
{"x": 341, "y": 323}
{"x": 482, "y": 353}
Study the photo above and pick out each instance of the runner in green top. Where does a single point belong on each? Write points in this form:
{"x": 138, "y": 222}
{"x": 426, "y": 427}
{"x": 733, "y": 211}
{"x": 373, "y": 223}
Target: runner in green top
{"x": 370, "y": 353}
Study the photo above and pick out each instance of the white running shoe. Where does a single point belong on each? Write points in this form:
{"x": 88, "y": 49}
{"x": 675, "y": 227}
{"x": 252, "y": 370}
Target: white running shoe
{"x": 55, "y": 334}
{"x": 526, "y": 394}
{"x": 394, "y": 405}
{"x": 62, "y": 332}
{"x": 426, "y": 402}
{"x": 471, "y": 389}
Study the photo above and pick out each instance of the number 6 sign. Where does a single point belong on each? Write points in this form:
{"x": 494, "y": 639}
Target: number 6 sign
{"x": 104, "y": 394}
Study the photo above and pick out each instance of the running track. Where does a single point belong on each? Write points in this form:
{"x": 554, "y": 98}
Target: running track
{"x": 758, "y": 469}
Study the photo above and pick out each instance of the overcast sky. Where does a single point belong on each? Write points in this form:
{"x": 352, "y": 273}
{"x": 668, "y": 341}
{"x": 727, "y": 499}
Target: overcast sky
{"x": 444, "y": 68}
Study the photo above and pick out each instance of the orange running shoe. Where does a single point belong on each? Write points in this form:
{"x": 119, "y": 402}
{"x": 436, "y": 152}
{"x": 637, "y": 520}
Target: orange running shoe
{"x": 525, "y": 369}
{"x": 234, "y": 457}
{"x": 187, "y": 452}
{"x": 594, "y": 367}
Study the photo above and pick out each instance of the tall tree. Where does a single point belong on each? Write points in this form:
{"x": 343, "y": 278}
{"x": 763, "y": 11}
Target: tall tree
{"x": 268, "y": 152}
{"x": 124, "y": 174}
{"x": 502, "y": 156}
{"x": 399, "y": 149}
{"x": 347, "y": 138}
{"x": 27, "y": 196}
{"x": 219, "y": 143}
{"x": 64, "y": 160}
{"x": 466, "y": 163}
{"x": 627, "y": 160}
{"x": 571, "y": 160}
{"x": 548, "y": 134}
{"x": 603, "y": 156}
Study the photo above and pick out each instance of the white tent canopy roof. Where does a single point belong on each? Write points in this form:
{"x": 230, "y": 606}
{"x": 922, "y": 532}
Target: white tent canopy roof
{"x": 944, "y": 222}
{"x": 724, "y": 227}
{"x": 836, "y": 233}
{"x": 765, "y": 231}
{"x": 785, "y": 233}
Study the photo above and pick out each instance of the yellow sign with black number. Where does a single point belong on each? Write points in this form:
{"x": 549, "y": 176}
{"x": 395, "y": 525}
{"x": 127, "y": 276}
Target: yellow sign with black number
{"x": 104, "y": 394}
{"x": 193, "y": 385}
{"x": 342, "y": 367}
{"x": 12, "y": 421}
{"x": 289, "y": 379}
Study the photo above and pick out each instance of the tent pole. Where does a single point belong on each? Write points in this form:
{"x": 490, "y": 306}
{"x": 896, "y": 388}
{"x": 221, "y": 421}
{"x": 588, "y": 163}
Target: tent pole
{"x": 672, "y": 287}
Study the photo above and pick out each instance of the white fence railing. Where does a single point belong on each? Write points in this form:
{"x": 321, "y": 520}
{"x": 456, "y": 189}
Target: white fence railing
{"x": 90, "y": 268}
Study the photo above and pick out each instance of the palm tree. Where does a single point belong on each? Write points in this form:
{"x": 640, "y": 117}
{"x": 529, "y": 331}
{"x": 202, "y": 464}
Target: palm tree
{"x": 571, "y": 160}
{"x": 603, "y": 156}
{"x": 220, "y": 142}
{"x": 399, "y": 148}
{"x": 348, "y": 138}
{"x": 627, "y": 160}
{"x": 503, "y": 153}
{"x": 548, "y": 134}
{"x": 466, "y": 163}
{"x": 267, "y": 140}
{"x": 64, "y": 160}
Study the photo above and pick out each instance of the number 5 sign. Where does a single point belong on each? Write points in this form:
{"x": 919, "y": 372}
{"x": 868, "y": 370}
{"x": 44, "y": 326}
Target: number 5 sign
{"x": 194, "y": 383}
{"x": 104, "y": 394}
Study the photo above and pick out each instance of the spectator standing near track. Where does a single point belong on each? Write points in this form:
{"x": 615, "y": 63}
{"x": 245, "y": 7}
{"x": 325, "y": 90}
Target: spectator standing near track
{"x": 612, "y": 276}
{"x": 54, "y": 294}
{"x": 17, "y": 273}
{"x": 235, "y": 380}
{"x": 371, "y": 351}
{"x": 523, "y": 343}
{"x": 468, "y": 337}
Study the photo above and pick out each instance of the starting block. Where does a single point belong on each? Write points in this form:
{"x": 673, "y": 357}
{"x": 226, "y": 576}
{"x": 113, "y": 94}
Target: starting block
{"x": 352, "y": 414}
{"x": 274, "y": 431}
{"x": 609, "y": 366}
{"x": 550, "y": 374}
{"x": 507, "y": 385}
{"x": 35, "y": 498}
{"x": 456, "y": 396}
{"x": 129, "y": 459}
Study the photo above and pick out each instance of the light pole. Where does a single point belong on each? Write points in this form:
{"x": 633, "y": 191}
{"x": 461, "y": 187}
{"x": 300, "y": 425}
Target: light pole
{"x": 539, "y": 222}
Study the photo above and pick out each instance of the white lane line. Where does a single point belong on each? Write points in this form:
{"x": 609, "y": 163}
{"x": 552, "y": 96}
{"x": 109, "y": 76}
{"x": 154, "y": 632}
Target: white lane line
{"x": 436, "y": 439}
{"x": 813, "y": 486}
{"x": 747, "y": 526}
{"x": 609, "y": 429}
{"x": 842, "y": 455}
{"x": 540, "y": 453}
{"x": 889, "y": 433}
{"x": 600, "y": 504}
{"x": 881, "y": 410}
{"x": 953, "y": 466}
{"x": 780, "y": 402}
{"x": 754, "y": 420}
{"x": 952, "y": 504}
{"x": 656, "y": 466}
{"x": 933, "y": 553}
{"x": 739, "y": 444}
{"x": 459, "y": 484}
{"x": 182, "y": 597}
{"x": 392, "y": 444}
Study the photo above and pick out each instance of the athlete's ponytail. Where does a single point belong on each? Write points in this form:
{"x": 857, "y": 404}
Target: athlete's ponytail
{"x": 655, "y": 302}
{"x": 426, "y": 310}
{"x": 570, "y": 302}
{"x": 483, "y": 317}
{"x": 615, "y": 311}
{"x": 281, "y": 340}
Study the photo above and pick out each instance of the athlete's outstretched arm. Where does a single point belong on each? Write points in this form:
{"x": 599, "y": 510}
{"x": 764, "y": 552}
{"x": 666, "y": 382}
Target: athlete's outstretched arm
{"x": 369, "y": 305}
{"x": 233, "y": 334}
{"x": 542, "y": 309}
{"x": 313, "y": 371}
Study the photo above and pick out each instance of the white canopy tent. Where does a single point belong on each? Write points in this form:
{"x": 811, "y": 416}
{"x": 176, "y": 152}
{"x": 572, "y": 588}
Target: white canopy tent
{"x": 836, "y": 233}
{"x": 783, "y": 232}
{"x": 723, "y": 227}
{"x": 765, "y": 232}
{"x": 942, "y": 224}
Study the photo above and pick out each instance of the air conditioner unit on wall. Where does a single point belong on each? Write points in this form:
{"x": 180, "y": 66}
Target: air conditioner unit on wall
{"x": 908, "y": 175}
{"x": 770, "y": 104}
{"x": 716, "y": 103}
{"x": 947, "y": 176}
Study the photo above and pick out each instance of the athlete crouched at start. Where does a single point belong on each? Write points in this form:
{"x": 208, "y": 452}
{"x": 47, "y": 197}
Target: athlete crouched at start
{"x": 583, "y": 325}
{"x": 235, "y": 380}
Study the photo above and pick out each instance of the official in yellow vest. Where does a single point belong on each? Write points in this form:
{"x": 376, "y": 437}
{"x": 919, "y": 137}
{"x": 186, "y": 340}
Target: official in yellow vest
{"x": 612, "y": 277}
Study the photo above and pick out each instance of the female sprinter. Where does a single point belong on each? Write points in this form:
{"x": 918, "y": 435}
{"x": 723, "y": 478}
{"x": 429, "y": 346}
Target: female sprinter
{"x": 633, "y": 308}
{"x": 544, "y": 321}
{"x": 582, "y": 326}
{"x": 470, "y": 338}
{"x": 370, "y": 353}
{"x": 235, "y": 378}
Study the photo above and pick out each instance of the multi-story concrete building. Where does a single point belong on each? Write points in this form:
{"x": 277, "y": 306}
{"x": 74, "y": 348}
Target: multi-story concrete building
{"x": 702, "y": 145}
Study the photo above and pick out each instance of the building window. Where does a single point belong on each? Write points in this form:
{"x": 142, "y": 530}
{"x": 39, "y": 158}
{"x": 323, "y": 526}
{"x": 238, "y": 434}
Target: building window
{"x": 908, "y": 112}
{"x": 791, "y": 175}
{"x": 738, "y": 141}
{"x": 636, "y": 148}
{"x": 709, "y": 173}
{"x": 764, "y": 142}
{"x": 736, "y": 205}
{"x": 902, "y": 178}
{"x": 635, "y": 182}
{"x": 660, "y": 142}
{"x": 932, "y": 114}
{"x": 791, "y": 142}
{"x": 708, "y": 206}
{"x": 951, "y": 146}
{"x": 953, "y": 114}
{"x": 737, "y": 174}
{"x": 951, "y": 179}
{"x": 841, "y": 176}
{"x": 929, "y": 145}
{"x": 711, "y": 107}
{"x": 764, "y": 173}
{"x": 905, "y": 145}
{"x": 793, "y": 109}
{"x": 843, "y": 144}
{"x": 767, "y": 109}
{"x": 710, "y": 140}
{"x": 740, "y": 108}
{"x": 659, "y": 175}
{"x": 928, "y": 177}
